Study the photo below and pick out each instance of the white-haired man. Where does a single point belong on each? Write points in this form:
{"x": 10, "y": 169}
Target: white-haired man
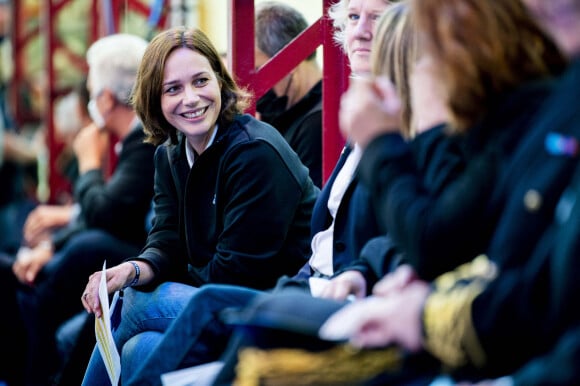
{"x": 110, "y": 219}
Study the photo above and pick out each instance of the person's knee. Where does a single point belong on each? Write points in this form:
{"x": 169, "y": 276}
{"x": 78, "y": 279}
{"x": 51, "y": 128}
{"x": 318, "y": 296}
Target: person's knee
{"x": 153, "y": 310}
{"x": 136, "y": 349}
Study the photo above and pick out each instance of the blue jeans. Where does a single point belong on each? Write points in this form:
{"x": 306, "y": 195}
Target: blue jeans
{"x": 55, "y": 296}
{"x": 141, "y": 313}
{"x": 197, "y": 336}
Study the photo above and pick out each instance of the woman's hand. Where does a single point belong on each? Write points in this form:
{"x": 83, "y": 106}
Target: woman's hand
{"x": 369, "y": 108}
{"x": 380, "y": 321}
{"x": 117, "y": 278}
{"x": 395, "y": 281}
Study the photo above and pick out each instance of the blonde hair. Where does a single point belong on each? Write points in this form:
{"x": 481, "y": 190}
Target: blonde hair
{"x": 393, "y": 54}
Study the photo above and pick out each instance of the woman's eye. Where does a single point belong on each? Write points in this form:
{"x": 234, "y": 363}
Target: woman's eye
{"x": 171, "y": 89}
{"x": 200, "y": 82}
{"x": 353, "y": 16}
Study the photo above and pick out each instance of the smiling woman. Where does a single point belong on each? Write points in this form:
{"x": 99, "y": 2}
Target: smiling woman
{"x": 232, "y": 200}
{"x": 191, "y": 97}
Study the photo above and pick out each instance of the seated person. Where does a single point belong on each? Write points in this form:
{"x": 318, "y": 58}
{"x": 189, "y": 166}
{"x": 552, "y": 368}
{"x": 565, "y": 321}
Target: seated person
{"x": 17, "y": 154}
{"x": 341, "y": 221}
{"x": 232, "y": 200}
{"x": 294, "y": 104}
{"x": 110, "y": 224}
{"x": 71, "y": 115}
{"x": 343, "y": 215}
{"x": 532, "y": 223}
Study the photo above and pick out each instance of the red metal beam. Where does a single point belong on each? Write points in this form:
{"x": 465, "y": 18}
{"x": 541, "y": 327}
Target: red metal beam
{"x": 241, "y": 43}
{"x": 56, "y": 182}
{"x": 335, "y": 79}
{"x": 97, "y": 28}
{"x": 20, "y": 39}
{"x": 241, "y": 57}
{"x": 287, "y": 59}
{"x": 334, "y": 83}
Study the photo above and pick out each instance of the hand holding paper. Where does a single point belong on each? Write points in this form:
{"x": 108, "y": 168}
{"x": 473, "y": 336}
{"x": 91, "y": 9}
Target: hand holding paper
{"x": 104, "y": 335}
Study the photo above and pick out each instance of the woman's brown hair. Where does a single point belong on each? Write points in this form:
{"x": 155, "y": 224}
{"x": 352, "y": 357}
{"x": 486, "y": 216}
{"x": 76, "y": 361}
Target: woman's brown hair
{"x": 148, "y": 88}
{"x": 483, "y": 49}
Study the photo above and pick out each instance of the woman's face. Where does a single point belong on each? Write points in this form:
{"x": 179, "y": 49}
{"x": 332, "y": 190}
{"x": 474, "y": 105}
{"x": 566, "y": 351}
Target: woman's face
{"x": 191, "y": 96}
{"x": 359, "y": 30}
{"x": 561, "y": 19}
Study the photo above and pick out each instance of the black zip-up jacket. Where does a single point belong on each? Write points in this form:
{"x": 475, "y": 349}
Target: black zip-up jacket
{"x": 240, "y": 215}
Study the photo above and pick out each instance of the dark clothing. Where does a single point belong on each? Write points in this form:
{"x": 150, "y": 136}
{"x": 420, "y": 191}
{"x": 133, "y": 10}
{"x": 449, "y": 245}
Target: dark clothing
{"x": 15, "y": 204}
{"x": 524, "y": 316}
{"x": 240, "y": 215}
{"x": 11, "y": 173}
{"x": 439, "y": 159}
{"x": 355, "y": 221}
{"x": 440, "y": 231}
{"x": 301, "y": 126}
{"x": 109, "y": 227}
{"x": 13, "y": 189}
{"x": 354, "y": 225}
{"x": 557, "y": 367}
{"x": 275, "y": 320}
{"x": 530, "y": 305}
{"x": 437, "y": 229}
{"x": 56, "y": 296}
{"x": 117, "y": 205}
{"x": 198, "y": 335}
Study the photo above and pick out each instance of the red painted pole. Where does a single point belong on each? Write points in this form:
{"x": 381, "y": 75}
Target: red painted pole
{"x": 334, "y": 83}
{"x": 241, "y": 44}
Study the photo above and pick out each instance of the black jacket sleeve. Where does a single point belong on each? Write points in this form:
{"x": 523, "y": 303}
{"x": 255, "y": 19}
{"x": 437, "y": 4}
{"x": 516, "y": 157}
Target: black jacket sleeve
{"x": 118, "y": 205}
{"x": 436, "y": 229}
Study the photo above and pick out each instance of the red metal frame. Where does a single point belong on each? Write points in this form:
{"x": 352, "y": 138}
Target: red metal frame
{"x": 241, "y": 57}
{"x": 335, "y": 79}
{"x": 96, "y": 27}
{"x": 20, "y": 40}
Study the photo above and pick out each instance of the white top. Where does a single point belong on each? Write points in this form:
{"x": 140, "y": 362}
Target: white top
{"x": 190, "y": 153}
{"x": 322, "y": 242}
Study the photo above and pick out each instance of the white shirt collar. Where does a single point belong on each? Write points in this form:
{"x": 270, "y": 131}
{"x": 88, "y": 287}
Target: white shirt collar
{"x": 190, "y": 153}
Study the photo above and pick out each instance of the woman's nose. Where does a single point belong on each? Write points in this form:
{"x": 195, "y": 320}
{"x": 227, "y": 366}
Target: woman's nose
{"x": 191, "y": 96}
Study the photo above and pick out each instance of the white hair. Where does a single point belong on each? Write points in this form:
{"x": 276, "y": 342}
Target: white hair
{"x": 113, "y": 63}
{"x": 338, "y": 12}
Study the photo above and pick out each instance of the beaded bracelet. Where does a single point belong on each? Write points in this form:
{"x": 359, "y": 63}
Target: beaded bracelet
{"x": 137, "y": 274}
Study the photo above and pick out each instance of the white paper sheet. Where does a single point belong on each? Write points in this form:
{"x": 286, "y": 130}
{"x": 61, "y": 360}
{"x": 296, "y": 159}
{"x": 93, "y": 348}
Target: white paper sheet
{"x": 104, "y": 335}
